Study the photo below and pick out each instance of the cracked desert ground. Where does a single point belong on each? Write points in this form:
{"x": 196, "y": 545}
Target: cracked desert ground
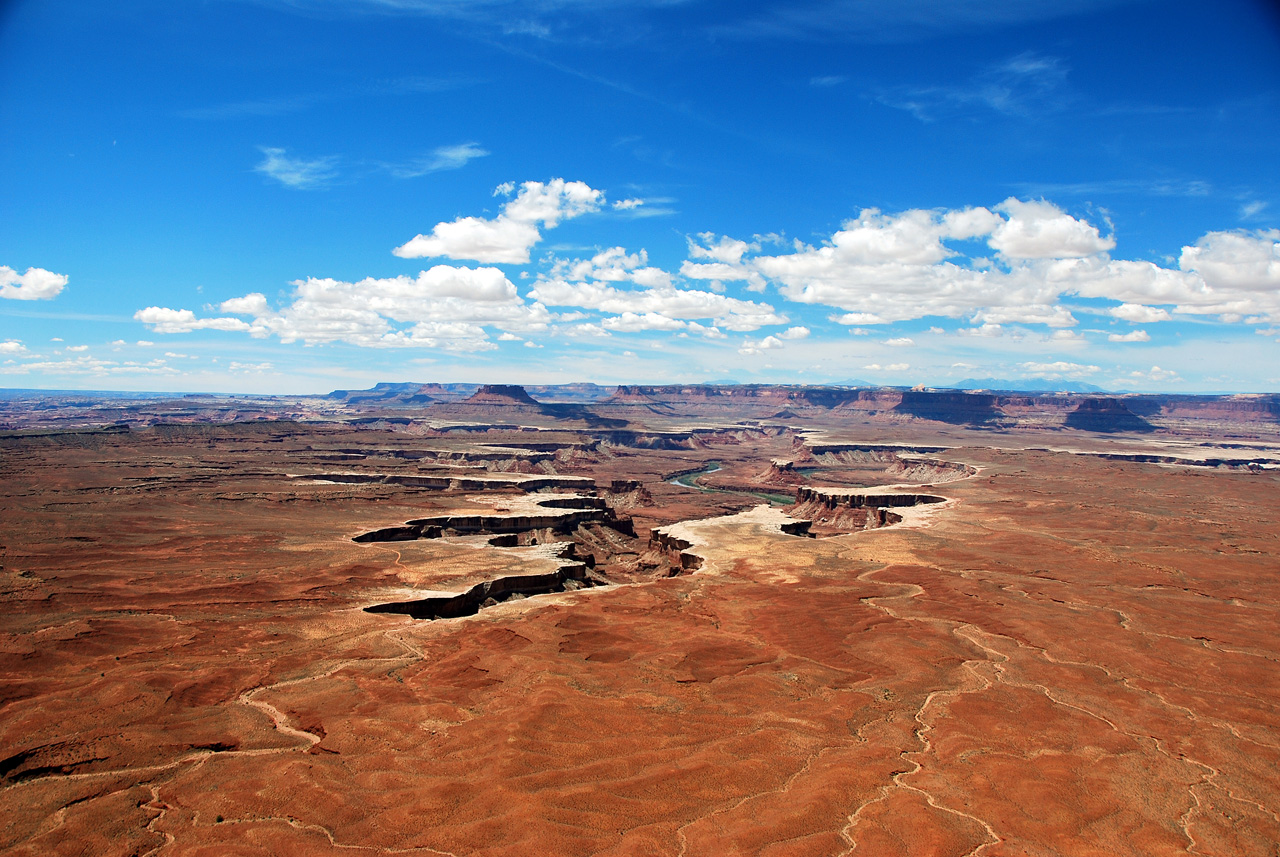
{"x": 1073, "y": 653}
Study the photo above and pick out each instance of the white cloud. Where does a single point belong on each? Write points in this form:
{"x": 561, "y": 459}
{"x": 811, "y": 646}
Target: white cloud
{"x": 668, "y": 302}
{"x": 12, "y": 346}
{"x": 627, "y": 204}
{"x": 1067, "y": 337}
{"x": 710, "y": 332}
{"x": 758, "y": 346}
{"x": 248, "y": 368}
{"x": 1132, "y": 336}
{"x": 900, "y": 341}
{"x": 1050, "y": 316}
{"x": 298, "y": 173}
{"x": 1140, "y": 314}
{"x": 77, "y": 348}
{"x": 883, "y": 268}
{"x": 509, "y": 337}
{"x": 444, "y": 307}
{"x": 1155, "y": 374}
{"x": 587, "y": 329}
{"x": 725, "y": 249}
{"x": 1057, "y": 370}
{"x": 1041, "y": 230}
{"x": 725, "y": 260}
{"x": 1251, "y": 210}
{"x": 441, "y": 158}
{"x": 892, "y": 367}
{"x": 630, "y": 322}
{"x": 613, "y": 265}
{"x": 508, "y": 237}
{"x": 857, "y": 318}
{"x": 988, "y": 330}
{"x": 36, "y": 284}
{"x": 165, "y": 320}
{"x": 795, "y": 333}
{"x": 1245, "y": 262}
{"x": 90, "y": 366}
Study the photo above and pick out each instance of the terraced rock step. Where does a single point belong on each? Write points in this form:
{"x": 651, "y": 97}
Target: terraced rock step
{"x": 490, "y": 593}
{"x": 454, "y": 483}
{"x": 577, "y": 511}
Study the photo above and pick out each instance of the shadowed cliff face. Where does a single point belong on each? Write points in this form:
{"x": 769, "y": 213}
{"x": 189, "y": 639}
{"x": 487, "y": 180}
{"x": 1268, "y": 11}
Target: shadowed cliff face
{"x": 1106, "y": 415}
{"x": 947, "y": 407}
{"x": 501, "y": 394}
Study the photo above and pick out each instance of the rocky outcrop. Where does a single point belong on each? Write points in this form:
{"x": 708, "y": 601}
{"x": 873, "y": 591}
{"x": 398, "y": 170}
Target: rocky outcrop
{"x": 1106, "y": 415}
{"x": 568, "y": 577}
{"x": 676, "y": 548}
{"x": 950, "y": 407}
{"x": 781, "y": 473}
{"x": 833, "y": 499}
{"x": 501, "y": 394}
{"x": 455, "y": 483}
{"x": 834, "y": 512}
{"x": 561, "y": 523}
{"x": 384, "y": 395}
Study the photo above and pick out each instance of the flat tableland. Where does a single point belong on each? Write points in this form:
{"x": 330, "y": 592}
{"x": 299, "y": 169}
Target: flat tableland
{"x": 614, "y": 638}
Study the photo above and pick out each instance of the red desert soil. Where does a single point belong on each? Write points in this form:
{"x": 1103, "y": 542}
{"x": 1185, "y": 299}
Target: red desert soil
{"x": 1072, "y": 656}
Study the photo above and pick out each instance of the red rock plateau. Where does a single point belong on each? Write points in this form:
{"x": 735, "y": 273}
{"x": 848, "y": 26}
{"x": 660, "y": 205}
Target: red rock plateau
{"x": 776, "y": 621}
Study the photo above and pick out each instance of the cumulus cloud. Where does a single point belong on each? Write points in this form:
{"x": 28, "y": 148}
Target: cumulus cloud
{"x": 36, "y": 284}
{"x": 613, "y": 265}
{"x": 759, "y": 346}
{"x": 1057, "y": 370}
{"x": 892, "y": 367}
{"x": 596, "y": 284}
{"x": 12, "y": 346}
{"x": 794, "y": 333}
{"x": 631, "y": 322}
{"x": 884, "y": 268}
{"x": 298, "y": 173}
{"x": 165, "y": 320}
{"x": 1236, "y": 261}
{"x": 721, "y": 259}
{"x": 1140, "y": 314}
{"x": 1155, "y": 374}
{"x": 1132, "y": 336}
{"x": 444, "y": 307}
{"x": 508, "y": 237}
{"x": 1041, "y": 230}
{"x": 857, "y": 318}
{"x": 900, "y": 341}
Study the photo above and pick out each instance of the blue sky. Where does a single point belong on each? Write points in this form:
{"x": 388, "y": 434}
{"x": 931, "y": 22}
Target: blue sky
{"x": 293, "y": 196}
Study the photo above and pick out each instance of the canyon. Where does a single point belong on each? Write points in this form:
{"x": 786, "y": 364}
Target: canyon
{"x": 466, "y": 619}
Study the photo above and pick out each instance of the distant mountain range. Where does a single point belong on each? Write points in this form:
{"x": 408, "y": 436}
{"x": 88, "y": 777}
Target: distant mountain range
{"x": 1026, "y": 385}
